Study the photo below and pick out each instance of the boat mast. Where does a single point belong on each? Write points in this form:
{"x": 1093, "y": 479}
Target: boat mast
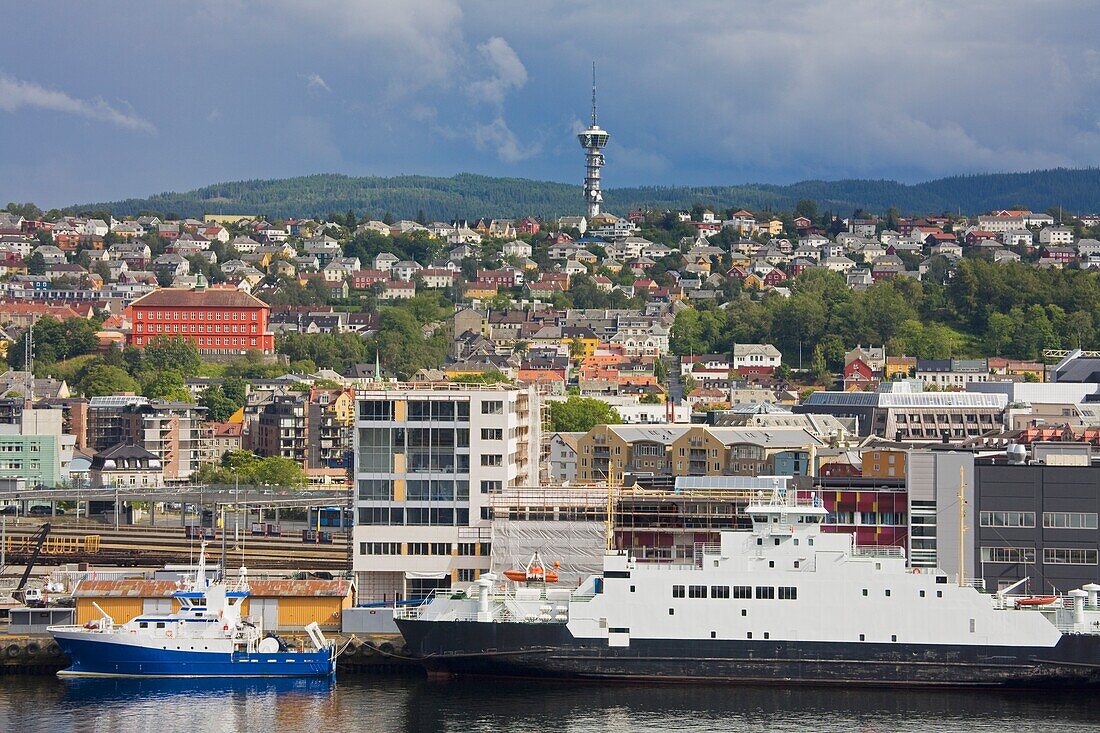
{"x": 962, "y": 528}
{"x": 609, "y": 524}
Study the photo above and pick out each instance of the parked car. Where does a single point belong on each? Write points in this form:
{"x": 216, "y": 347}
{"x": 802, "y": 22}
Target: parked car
{"x": 43, "y": 511}
{"x": 11, "y": 510}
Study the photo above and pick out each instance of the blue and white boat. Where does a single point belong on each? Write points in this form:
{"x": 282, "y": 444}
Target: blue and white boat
{"x": 207, "y": 637}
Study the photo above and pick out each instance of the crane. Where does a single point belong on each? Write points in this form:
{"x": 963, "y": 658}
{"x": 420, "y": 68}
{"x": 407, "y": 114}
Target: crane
{"x": 37, "y": 539}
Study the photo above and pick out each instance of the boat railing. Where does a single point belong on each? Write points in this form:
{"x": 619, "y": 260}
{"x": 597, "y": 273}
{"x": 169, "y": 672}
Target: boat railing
{"x": 878, "y": 551}
{"x": 705, "y": 548}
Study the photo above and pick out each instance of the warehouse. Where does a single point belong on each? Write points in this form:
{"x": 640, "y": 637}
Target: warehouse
{"x": 282, "y": 605}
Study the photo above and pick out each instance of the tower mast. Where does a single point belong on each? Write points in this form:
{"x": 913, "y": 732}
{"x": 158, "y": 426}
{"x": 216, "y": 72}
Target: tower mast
{"x": 593, "y": 140}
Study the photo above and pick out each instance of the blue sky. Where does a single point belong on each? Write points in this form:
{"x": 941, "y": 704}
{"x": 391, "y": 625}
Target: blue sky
{"x": 104, "y": 100}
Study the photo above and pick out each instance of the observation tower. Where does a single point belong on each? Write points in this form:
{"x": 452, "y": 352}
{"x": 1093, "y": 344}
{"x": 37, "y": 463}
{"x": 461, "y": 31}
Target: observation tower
{"x": 593, "y": 140}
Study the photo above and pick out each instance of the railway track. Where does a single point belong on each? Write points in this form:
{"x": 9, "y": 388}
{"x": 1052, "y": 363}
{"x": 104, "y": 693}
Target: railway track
{"x": 143, "y": 546}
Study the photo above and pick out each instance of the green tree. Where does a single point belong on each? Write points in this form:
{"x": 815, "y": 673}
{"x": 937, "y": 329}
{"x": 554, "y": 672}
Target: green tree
{"x": 166, "y": 384}
{"x": 218, "y": 406}
{"x": 235, "y": 389}
{"x": 806, "y": 208}
{"x": 36, "y": 264}
{"x": 173, "y": 352}
{"x": 581, "y": 414}
{"x": 100, "y": 380}
{"x": 279, "y": 471}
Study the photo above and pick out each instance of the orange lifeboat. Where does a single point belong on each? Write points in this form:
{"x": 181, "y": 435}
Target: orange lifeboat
{"x": 1036, "y": 601}
{"x": 534, "y": 572}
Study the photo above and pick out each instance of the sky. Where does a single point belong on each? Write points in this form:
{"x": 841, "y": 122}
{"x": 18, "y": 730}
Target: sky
{"x": 105, "y": 100}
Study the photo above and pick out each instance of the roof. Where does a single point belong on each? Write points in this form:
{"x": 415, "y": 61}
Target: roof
{"x": 903, "y": 399}
{"x": 189, "y": 298}
{"x": 124, "y": 450}
{"x": 166, "y": 588}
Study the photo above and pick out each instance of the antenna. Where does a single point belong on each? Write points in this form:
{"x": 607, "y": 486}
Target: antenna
{"x": 593, "y": 94}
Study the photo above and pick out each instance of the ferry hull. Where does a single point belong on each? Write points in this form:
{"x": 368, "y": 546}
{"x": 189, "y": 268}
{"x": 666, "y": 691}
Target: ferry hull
{"x": 92, "y": 657}
{"x": 526, "y": 650}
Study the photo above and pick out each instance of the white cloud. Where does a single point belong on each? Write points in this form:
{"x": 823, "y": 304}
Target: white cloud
{"x": 16, "y": 94}
{"x": 497, "y": 136}
{"x": 314, "y": 82}
{"x": 507, "y": 72}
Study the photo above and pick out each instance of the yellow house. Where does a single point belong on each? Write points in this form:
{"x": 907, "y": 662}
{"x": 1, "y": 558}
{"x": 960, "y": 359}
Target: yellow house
{"x": 898, "y": 366}
{"x": 753, "y": 282}
{"x": 775, "y": 227}
{"x": 287, "y": 605}
{"x": 480, "y": 292}
{"x": 588, "y": 344}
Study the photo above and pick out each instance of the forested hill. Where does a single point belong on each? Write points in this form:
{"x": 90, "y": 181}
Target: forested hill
{"x": 469, "y": 195}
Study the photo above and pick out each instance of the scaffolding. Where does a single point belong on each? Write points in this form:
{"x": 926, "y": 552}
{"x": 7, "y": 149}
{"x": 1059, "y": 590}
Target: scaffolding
{"x": 575, "y": 525}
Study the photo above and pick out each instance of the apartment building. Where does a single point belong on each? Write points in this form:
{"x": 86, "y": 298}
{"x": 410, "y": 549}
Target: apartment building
{"x": 427, "y": 459}
{"x": 172, "y": 431}
{"x": 674, "y": 450}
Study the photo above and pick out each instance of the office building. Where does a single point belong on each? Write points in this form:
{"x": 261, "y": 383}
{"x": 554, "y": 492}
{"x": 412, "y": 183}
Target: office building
{"x": 427, "y": 459}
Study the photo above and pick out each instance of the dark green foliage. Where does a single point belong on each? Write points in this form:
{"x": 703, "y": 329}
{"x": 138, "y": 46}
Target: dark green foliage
{"x": 56, "y": 340}
{"x": 170, "y": 352}
{"x": 218, "y": 406}
{"x": 986, "y": 309}
{"x": 473, "y": 195}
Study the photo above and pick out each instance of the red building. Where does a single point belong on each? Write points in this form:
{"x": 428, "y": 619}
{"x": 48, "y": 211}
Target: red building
{"x": 858, "y": 374}
{"x": 218, "y": 320}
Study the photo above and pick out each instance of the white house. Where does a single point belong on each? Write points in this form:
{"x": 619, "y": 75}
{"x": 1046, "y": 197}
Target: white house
{"x": 1058, "y": 236}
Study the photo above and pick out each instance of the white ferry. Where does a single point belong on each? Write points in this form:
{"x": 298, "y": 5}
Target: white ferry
{"x": 207, "y": 637}
{"x": 783, "y": 602}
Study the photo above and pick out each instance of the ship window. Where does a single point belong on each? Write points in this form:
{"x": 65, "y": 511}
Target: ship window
{"x": 777, "y": 542}
{"x": 749, "y": 636}
{"x": 697, "y": 591}
{"x": 796, "y": 564}
{"x": 143, "y": 625}
{"x": 677, "y": 591}
{"x": 719, "y": 591}
{"x": 742, "y": 591}
{"x": 759, "y": 541}
{"x": 863, "y": 637}
{"x": 941, "y": 579}
{"x": 672, "y": 612}
{"x": 631, "y": 589}
{"x": 767, "y": 635}
{"x": 810, "y": 541}
{"x": 922, "y": 594}
{"x": 714, "y": 634}
{"x": 160, "y": 625}
{"x": 796, "y": 541}
{"x": 771, "y": 563}
{"x": 765, "y": 591}
{"x": 744, "y": 612}
{"x": 787, "y": 593}
{"x": 971, "y": 626}
{"x": 939, "y": 594}
{"x": 865, "y": 592}
{"x": 893, "y": 637}
{"x": 887, "y": 592}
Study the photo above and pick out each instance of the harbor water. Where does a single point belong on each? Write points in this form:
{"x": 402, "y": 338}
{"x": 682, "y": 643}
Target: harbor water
{"x": 383, "y": 704}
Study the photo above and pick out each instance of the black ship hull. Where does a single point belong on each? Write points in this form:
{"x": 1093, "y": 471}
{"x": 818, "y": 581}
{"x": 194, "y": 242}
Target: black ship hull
{"x": 550, "y": 650}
